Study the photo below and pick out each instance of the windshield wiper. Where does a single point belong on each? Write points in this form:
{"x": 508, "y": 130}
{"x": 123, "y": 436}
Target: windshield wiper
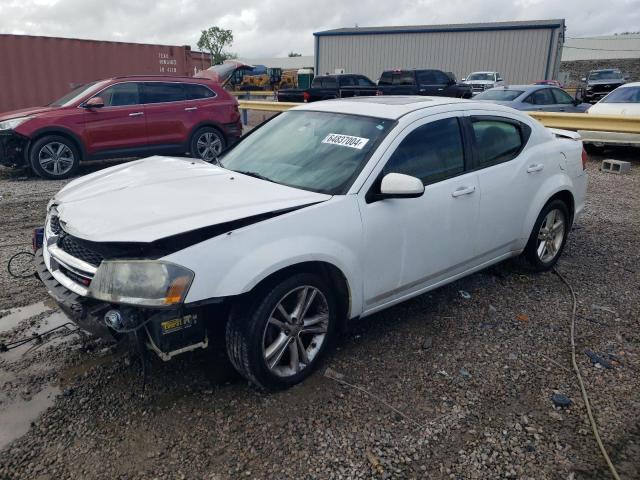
{"x": 255, "y": 175}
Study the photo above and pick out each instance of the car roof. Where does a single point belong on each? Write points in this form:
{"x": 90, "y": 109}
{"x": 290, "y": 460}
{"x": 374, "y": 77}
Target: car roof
{"x": 389, "y": 106}
{"x": 487, "y": 71}
{"x": 160, "y": 78}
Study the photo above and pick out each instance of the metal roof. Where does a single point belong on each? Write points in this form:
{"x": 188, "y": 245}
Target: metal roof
{"x": 456, "y": 27}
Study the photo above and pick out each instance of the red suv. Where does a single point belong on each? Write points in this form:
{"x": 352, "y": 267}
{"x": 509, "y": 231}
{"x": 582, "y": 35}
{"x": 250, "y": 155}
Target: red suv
{"x": 121, "y": 117}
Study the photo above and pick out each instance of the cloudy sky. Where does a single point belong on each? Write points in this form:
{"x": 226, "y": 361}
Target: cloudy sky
{"x": 264, "y": 28}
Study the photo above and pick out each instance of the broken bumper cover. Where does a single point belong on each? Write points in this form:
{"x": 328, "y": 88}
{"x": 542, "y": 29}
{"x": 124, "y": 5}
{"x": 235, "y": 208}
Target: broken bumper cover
{"x": 13, "y": 147}
{"x": 167, "y": 331}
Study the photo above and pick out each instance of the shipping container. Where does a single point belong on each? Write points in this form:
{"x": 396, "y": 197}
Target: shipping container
{"x": 38, "y": 70}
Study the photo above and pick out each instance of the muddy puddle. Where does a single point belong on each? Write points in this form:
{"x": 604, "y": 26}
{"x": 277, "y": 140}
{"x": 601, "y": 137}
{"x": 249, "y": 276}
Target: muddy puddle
{"x": 21, "y": 400}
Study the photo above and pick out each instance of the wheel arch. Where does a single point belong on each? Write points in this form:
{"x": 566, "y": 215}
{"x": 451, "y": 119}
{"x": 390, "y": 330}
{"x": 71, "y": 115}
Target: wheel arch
{"x": 60, "y": 131}
{"x": 556, "y": 188}
{"x": 208, "y": 123}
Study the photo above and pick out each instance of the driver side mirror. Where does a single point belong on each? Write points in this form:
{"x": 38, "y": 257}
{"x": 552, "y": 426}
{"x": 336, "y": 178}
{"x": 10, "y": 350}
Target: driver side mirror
{"x": 95, "y": 102}
{"x": 398, "y": 185}
{"x": 464, "y": 79}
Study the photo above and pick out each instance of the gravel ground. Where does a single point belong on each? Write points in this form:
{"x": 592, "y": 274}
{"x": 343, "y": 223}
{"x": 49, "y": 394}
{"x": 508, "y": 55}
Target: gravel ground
{"x": 469, "y": 380}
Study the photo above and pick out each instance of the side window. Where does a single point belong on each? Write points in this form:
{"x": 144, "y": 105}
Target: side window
{"x": 441, "y": 78}
{"x": 197, "y": 92}
{"x": 347, "y": 82}
{"x": 541, "y": 97}
{"x": 329, "y": 82}
{"x": 432, "y": 152}
{"x": 426, "y": 78}
{"x": 385, "y": 79}
{"x": 406, "y": 78}
{"x": 365, "y": 82}
{"x": 121, "y": 94}
{"x": 160, "y": 92}
{"x": 496, "y": 141}
{"x": 561, "y": 96}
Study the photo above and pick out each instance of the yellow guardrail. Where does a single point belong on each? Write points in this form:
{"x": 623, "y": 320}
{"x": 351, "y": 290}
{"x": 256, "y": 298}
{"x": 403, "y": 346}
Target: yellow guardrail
{"x": 266, "y": 106}
{"x": 566, "y": 121}
{"x": 582, "y": 121}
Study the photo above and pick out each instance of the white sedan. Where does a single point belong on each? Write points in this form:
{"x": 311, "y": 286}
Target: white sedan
{"x": 330, "y": 211}
{"x": 625, "y": 101}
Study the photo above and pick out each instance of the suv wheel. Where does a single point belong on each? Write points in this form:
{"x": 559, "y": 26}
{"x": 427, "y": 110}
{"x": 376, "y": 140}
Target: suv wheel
{"x": 548, "y": 237}
{"x": 278, "y": 341}
{"x": 207, "y": 144}
{"x": 54, "y": 157}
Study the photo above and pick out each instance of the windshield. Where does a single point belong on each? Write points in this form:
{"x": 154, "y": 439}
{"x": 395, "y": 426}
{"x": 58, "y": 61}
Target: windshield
{"x": 605, "y": 75}
{"x": 317, "y": 151}
{"x": 77, "y": 93}
{"x": 499, "y": 95}
{"x": 481, "y": 76}
{"x": 623, "y": 95}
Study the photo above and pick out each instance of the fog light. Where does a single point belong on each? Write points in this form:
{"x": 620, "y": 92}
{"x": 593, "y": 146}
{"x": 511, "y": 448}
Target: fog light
{"x": 114, "y": 319}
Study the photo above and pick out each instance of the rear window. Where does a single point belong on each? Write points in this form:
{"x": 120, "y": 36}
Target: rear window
{"x": 197, "y": 92}
{"x": 386, "y": 78}
{"x": 161, "y": 92}
{"x": 623, "y": 95}
{"x": 497, "y": 141}
{"x": 499, "y": 95}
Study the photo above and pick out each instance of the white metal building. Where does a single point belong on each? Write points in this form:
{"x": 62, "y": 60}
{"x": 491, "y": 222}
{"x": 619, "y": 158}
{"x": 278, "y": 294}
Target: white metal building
{"x": 521, "y": 51}
{"x": 601, "y": 48}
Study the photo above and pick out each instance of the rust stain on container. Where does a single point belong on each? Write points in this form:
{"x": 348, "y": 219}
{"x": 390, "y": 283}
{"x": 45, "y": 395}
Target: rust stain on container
{"x": 37, "y": 70}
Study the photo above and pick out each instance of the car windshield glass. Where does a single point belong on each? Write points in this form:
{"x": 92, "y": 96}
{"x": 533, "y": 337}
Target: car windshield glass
{"x": 317, "y": 151}
{"x": 77, "y": 93}
{"x": 480, "y": 76}
{"x": 606, "y": 75}
{"x": 500, "y": 95}
{"x": 623, "y": 95}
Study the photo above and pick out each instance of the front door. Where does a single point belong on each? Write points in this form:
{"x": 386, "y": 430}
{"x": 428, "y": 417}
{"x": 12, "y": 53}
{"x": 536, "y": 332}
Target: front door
{"x": 118, "y": 126}
{"x": 411, "y": 244}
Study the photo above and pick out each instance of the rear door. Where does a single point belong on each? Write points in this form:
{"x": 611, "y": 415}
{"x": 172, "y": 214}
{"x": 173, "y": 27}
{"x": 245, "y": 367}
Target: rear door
{"x": 432, "y": 83}
{"x": 509, "y": 175}
{"x": 168, "y": 120}
{"x": 118, "y": 126}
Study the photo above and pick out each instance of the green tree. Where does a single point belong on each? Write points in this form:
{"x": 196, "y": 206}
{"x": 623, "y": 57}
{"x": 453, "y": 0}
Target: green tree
{"x": 294, "y": 54}
{"x": 214, "y": 40}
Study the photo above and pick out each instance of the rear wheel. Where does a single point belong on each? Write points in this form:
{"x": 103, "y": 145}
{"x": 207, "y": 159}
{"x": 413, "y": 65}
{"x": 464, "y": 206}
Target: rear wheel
{"x": 548, "y": 237}
{"x": 54, "y": 157}
{"x": 207, "y": 144}
{"x": 279, "y": 340}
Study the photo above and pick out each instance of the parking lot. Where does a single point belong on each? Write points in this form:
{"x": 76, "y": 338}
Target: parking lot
{"x": 456, "y": 383}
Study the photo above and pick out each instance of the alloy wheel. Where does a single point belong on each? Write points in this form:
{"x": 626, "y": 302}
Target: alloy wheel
{"x": 296, "y": 329}
{"x": 551, "y": 235}
{"x": 209, "y": 146}
{"x": 56, "y": 158}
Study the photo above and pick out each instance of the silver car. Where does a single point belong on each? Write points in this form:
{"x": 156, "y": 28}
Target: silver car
{"x": 545, "y": 98}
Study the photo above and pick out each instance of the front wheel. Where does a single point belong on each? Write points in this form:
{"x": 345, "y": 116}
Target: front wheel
{"x": 279, "y": 340}
{"x": 207, "y": 144}
{"x": 548, "y": 237}
{"x": 54, "y": 157}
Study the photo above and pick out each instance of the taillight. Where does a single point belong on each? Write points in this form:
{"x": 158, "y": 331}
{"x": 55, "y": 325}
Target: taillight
{"x": 306, "y": 96}
{"x": 585, "y": 159}
{"x": 379, "y": 93}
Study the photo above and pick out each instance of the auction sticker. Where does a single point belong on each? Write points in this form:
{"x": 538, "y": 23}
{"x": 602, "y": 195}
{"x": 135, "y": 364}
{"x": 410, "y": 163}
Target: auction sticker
{"x": 346, "y": 141}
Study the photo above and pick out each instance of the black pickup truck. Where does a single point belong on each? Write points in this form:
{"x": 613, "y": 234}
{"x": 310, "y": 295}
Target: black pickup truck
{"x": 422, "y": 82}
{"x": 600, "y": 83}
{"x": 325, "y": 87}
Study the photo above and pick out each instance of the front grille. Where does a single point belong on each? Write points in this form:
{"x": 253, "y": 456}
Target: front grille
{"x": 76, "y": 249}
{"x": 605, "y": 88}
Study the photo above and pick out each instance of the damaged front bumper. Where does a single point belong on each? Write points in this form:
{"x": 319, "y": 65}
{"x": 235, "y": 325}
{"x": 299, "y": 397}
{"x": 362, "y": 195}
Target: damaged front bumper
{"x": 13, "y": 148}
{"x": 167, "y": 331}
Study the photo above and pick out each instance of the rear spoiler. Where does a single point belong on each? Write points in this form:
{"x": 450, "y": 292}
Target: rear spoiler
{"x": 565, "y": 134}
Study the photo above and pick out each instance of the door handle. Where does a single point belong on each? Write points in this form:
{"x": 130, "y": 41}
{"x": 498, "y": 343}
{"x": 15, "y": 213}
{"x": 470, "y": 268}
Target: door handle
{"x": 463, "y": 191}
{"x": 136, "y": 114}
{"x": 535, "y": 168}
{"x": 190, "y": 109}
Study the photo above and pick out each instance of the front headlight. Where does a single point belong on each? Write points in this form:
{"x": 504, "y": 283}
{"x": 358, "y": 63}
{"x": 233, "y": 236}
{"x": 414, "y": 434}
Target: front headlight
{"x": 141, "y": 282}
{"x": 13, "y": 123}
{"x": 589, "y": 88}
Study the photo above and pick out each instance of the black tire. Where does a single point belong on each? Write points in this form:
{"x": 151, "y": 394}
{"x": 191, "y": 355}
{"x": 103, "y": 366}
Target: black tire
{"x": 54, "y": 157}
{"x": 212, "y": 138}
{"x": 534, "y": 260}
{"x": 249, "y": 324}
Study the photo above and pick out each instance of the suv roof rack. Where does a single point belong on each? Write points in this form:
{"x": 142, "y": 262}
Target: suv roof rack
{"x": 159, "y": 76}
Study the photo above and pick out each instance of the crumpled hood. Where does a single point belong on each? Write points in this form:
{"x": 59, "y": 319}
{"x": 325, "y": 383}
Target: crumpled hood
{"x": 157, "y": 197}
{"x": 24, "y": 112}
